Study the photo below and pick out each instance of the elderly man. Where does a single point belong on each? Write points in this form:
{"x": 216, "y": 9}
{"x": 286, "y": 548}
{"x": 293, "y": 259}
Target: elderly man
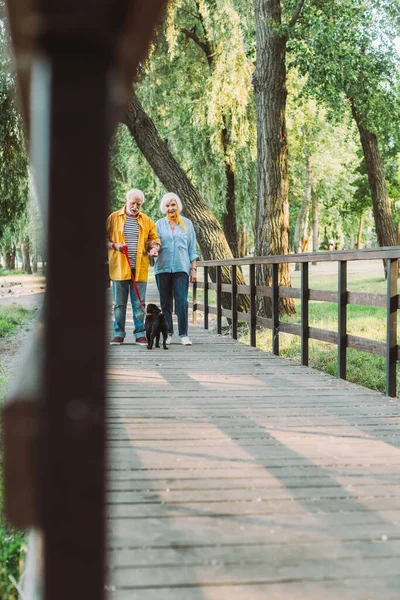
{"x": 129, "y": 227}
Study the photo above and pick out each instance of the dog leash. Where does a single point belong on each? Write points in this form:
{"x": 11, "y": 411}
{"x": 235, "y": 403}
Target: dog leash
{"x": 133, "y": 279}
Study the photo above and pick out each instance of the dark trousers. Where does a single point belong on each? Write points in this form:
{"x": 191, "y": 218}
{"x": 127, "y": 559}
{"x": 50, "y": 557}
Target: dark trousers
{"x": 170, "y": 286}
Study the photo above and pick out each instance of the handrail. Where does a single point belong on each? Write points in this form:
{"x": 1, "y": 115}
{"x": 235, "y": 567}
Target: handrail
{"x": 307, "y": 257}
{"x": 342, "y": 297}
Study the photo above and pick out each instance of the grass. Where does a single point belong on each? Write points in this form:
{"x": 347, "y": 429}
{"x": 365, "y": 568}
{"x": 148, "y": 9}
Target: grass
{"x": 8, "y": 272}
{"x": 12, "y": 317}
{"x": 12, "y": 542}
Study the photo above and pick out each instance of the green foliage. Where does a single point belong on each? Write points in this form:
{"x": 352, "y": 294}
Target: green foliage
{"x": 129, "y": 169}
{"x": 13, "y": 156}
{"x": 195, "y": 84}
{"x": 13, "y": 316}
{"x": 347, "y": 50}
{"x": 12, "y": 551}
{"x": 332, "y": 147}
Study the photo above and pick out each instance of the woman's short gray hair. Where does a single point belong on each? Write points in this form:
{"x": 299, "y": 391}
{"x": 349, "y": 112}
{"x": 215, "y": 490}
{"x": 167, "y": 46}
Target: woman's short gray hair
{"x": 167, "y": 198}
{"x": 134, "y": 192}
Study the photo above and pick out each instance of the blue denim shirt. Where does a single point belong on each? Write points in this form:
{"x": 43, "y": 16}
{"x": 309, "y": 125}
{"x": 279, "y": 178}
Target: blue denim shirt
{"x": 177, "y": 250}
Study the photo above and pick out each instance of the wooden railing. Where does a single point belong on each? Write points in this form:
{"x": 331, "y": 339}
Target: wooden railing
{"x": 343, "y": 297}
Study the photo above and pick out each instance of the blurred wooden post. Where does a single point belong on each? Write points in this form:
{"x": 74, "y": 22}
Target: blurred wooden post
{"x": 76, "y": 61}
{"x": 71, "y": 448}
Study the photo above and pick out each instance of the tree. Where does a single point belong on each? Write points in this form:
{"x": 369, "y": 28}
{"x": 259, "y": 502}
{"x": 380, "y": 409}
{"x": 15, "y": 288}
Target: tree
{"x": 269, "y": 81}
{"x": 347, "y": 51}
{"x": 219, "y": 37}
{"x": 322, "y": 165}
{"x": 198, "y": 83}
{"x": 211, "y": 238}
{"x": 13, "y": 156}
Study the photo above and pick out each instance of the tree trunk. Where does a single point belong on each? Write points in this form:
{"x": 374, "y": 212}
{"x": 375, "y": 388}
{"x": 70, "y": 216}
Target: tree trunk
{"x": 242, "y": 241}
{"x": 360, "y": 232}
{"x": 26, "y": 259}
{"x": 269, "y": 80}
{"x": 300, "y": 233}
{"x": 35, "y": 257}
{"x": 229, "y": 220}
{"x": 384, "y": 226}
{"x": 211, "y": 238}
{"x": 315, "y": 222}
{"x": 9, "y": 263}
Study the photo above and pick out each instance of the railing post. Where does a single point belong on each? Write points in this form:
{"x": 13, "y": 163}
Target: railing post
{"x": 219, "y": 301}
{"x": 391, "y": 326}
{"x": 305, "y": 296}
{"x": 205, "y": 297}
{"x": 71, "y": 447}
{"x": 253, "y": 314}
{"x": 275, "y": 310}
{"x": 194, "y": 310}
{"x": 342, "y": 318}
{"x": 234, "y": 303}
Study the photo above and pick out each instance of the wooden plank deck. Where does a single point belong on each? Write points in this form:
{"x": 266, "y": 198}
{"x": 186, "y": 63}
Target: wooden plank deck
{"x": 236, "y": 474}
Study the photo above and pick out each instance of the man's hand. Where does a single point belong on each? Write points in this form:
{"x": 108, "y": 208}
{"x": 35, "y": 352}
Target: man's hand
{"x": 153, "y": 247}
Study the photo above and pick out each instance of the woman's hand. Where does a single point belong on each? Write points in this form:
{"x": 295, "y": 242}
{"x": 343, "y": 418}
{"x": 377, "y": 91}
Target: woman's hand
{"x": 118, "y": 247}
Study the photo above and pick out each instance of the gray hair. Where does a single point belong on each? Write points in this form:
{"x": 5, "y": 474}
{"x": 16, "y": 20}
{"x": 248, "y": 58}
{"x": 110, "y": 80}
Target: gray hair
{"x": 167, "y": 198}
{"x": 134, "y": 192}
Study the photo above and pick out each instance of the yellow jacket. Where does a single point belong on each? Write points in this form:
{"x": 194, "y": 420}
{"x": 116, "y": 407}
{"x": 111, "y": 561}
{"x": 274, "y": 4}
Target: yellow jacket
{"x": 118, "y": 265}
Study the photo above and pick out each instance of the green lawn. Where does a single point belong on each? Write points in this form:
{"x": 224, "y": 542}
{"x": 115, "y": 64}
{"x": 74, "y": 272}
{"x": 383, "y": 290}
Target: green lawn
{"x": 7, "y": 273}
{"x": 12, "y": 542}
{"x": 12, "y": 317}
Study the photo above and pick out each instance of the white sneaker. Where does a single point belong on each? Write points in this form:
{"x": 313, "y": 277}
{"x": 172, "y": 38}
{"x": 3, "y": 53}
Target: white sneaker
{"x": 186, "y": 341}
{"x": 168, "y": 341}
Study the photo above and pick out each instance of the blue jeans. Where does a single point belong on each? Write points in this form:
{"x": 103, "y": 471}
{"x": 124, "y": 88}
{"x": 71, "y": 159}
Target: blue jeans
{"x": 121, "y": 290}
{"x": 174, "y": 285}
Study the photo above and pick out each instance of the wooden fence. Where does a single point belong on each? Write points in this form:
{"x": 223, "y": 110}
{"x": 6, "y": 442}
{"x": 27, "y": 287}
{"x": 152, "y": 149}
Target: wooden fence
{"x": 342, "y": 296}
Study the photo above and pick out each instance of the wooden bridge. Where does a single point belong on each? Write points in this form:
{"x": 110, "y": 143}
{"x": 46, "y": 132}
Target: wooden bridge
{"x": 233, "y": 473}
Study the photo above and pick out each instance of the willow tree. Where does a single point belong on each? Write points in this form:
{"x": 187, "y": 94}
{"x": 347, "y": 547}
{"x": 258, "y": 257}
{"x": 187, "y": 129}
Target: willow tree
{"x": 223, "y": 107}
{"x": 269, "y": 81}
{"x": 210, "y": 236}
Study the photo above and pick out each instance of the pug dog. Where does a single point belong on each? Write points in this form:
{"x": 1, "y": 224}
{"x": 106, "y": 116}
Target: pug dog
{"x": 155, "y": 324}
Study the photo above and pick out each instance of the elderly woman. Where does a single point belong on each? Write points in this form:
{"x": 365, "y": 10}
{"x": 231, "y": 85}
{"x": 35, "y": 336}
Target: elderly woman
{"x": 175, "y": 265}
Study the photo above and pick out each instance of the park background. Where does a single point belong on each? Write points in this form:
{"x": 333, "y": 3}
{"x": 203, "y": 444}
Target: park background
{"x": 207, "y": 107}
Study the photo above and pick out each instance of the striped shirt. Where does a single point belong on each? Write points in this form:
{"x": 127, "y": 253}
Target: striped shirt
{"x": 131, "y": 234}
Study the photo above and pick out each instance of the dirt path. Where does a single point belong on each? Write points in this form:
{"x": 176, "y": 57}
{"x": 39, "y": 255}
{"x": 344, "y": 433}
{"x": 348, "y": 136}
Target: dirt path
{"x": 18, "y": 290}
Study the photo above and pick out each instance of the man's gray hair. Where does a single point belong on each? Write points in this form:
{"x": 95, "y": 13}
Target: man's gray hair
{"x": 134, "y": 192}
{"x": 167, "y": 198}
